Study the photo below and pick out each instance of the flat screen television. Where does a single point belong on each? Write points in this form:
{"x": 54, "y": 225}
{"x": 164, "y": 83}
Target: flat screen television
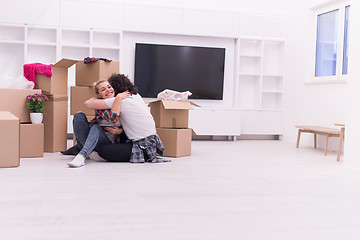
{"x": 199, "y": 70}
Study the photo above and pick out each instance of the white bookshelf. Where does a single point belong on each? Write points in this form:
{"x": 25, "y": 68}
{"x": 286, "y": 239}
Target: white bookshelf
{"x": 260, "y": 84}
{"x": 21, "y": 44}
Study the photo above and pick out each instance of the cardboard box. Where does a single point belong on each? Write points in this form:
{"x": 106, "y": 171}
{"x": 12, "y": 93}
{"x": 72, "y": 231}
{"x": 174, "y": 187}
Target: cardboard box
{"x": 78, "y": 96}
{"x": 9, "y": 140}
{"x": 177, "y": 142}
{"x": 57, "y": 83}
{"x": 31, "y": 140}
{"x": 14, "y": 101}
{"x": 55, "y": 123}
{"x": 87, "y": 74}
{"x": 171, "y": 114}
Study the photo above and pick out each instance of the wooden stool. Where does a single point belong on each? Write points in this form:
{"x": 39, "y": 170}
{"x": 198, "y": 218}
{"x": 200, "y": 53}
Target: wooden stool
{"x": 327, "y": 132}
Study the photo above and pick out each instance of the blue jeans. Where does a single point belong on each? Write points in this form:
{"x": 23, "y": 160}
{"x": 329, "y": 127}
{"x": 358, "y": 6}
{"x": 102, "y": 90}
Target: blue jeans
{"x": 88, "y": 138}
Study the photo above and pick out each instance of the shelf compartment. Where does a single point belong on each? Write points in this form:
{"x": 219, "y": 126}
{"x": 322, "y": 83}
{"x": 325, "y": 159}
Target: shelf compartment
{"x": 12, "y": 33}
{"x": 249, "y": 66}
{"x": 41, "y": 36}
{"x": 76, "y": 37}
{"x": 76, "y": 53}
{"x": 273, "y": 59}
{"x": 41, "y": 54}
{"x": 112, "y": 54}
{"x": 272, "y": 100}
{"x": 106, "y": 39}
{"x": 249, "y": 92}
{"x": 273, "y": 84}
{"x": 250, "y": 47}
{"x": 12, "y": 59}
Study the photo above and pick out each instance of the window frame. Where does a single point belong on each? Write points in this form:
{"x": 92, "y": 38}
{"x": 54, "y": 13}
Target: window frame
{"x": 339, "y": 77}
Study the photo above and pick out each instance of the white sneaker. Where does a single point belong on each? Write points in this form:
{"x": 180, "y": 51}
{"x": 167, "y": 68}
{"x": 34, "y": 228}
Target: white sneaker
{"x": 95, "y": 156}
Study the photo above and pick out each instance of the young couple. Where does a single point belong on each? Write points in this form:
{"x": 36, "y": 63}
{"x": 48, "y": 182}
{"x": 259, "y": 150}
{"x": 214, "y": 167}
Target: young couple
{"x": 118, "y": 109}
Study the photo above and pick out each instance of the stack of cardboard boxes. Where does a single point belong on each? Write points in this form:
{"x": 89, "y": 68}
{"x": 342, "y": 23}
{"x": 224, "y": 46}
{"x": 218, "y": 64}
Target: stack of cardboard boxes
{"x": 55, "y": 117}
{"x": 20, "y": 138}
{"x": 171, "y": 120}
{"x": 13, "y": 104}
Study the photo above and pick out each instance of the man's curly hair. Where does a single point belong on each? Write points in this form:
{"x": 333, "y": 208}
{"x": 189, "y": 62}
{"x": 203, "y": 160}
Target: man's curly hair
{"x": 122, "y": 83}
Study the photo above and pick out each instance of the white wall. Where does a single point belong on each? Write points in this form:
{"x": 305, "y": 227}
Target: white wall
{"x": 308, "y": 104}
{"x": 352, "y": 131}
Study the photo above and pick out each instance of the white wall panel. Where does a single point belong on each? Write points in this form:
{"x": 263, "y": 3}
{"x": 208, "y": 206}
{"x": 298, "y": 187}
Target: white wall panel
{"x": 152, "y": 19}
{"x": 90, "y": 15}
{"x": 262, "y": 25}
{"x": 211, "y": 23}
{"x": 35, "y": 12}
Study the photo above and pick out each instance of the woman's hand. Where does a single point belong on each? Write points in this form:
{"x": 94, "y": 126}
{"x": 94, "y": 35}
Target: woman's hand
{"x": 114, "y": 130}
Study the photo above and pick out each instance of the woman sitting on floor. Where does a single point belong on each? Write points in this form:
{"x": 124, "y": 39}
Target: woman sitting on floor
{"x": 103, "y": 129}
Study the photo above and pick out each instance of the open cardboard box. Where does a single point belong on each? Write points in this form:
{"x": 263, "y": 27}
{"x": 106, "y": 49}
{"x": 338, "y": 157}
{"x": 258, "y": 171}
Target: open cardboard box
{"x": 171, "y": 114}
{"x": 9, "y": 140}
{"x": 88, "y": 73}
{"x": 57, "y": 83}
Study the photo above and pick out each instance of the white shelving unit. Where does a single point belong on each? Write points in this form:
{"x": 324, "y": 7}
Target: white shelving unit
{"x": 22, "y": 44}
{"x": 260, "y": 84}
{"x": 49, "y": 44}
{"x": 258, "y": 80}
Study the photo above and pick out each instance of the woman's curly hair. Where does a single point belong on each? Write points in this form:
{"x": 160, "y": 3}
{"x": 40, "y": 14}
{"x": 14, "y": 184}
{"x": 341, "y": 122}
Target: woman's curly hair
{"x": 122, "y": 83}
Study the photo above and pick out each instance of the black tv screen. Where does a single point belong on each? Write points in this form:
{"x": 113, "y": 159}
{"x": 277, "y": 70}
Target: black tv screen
{"x": 199, "y": 70}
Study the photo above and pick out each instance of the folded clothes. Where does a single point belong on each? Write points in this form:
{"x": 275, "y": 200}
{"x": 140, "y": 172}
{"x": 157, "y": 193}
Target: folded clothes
{"x": 91, "y": 60}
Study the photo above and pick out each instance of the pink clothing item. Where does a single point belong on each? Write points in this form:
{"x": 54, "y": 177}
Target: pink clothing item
{"x": 32, "y": 68}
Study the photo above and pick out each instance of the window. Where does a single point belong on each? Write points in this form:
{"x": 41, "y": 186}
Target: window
{"x": 346, "y": 41}
{"x": 326, "y": 44}
{"x": 332, "y": 31}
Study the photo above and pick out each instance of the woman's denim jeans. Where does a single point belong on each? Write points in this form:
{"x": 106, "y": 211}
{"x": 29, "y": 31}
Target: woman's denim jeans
{"x": 88, "y": 138}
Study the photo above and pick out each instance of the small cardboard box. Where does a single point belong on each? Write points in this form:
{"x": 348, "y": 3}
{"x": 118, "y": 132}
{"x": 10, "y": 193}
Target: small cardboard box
{"x": 177, "y": 142}
{"x": 171, "y": 114}
{"x": 88, "y": 73}
{"x": 55, "y": 123}
{"x": 78, "y": 96}
{"x": 31, "y": 140}
{"x": 9, "y": 140}
{"x": 14, "y": 101}
{"x": 57, "y": 83}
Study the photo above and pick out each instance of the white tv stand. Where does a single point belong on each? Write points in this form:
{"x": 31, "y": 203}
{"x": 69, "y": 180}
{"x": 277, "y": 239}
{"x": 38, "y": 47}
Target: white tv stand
{"x": 216, "y": 121}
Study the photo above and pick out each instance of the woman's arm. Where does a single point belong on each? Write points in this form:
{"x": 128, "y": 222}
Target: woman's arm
{"x": 96, "y": 104}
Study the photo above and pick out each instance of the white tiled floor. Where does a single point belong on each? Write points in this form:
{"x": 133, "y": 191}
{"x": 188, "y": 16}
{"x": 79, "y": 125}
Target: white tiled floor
{"x": 248, "y": 189}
